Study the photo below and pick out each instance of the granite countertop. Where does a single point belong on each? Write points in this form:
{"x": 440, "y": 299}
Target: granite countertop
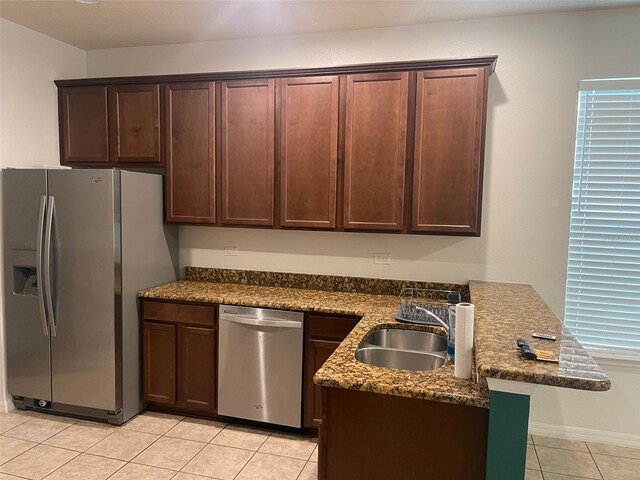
{"x": 342, "y": 369}
{"x": 505, "y": 312}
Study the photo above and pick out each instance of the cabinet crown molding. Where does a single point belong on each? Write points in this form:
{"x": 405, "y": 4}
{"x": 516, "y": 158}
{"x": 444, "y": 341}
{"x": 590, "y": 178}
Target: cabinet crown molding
{"x": 489, "y": 61}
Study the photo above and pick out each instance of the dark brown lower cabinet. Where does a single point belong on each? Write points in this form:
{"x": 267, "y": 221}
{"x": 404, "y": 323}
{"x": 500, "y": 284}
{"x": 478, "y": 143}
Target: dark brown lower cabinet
{"x": 323, "y": 334}
{"x": 179, "y": 355}
{"x": 196, "y": 367}
{"x": 370, "y": 436}
{"x": 159, "y": 362}
{"x": 317, "y": 352}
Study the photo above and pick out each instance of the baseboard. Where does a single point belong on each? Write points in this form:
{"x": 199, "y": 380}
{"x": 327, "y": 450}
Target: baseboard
{"x": 584, "y": 434}
{"x": 6, "y": 405}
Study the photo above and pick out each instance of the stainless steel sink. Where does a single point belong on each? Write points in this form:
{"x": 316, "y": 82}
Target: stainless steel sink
{"x": 404, "y": 349}
{"x": 405, "y": 339}
{"x": 401, "y": 359}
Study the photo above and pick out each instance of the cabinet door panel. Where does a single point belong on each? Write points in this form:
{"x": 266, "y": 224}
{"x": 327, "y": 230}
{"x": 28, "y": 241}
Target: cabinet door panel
{"x": 308, "y": 152}
{"x": 159, "y": 366}
{"x": 190, "y": 159}
{"x": 248, "y": 152}
{"x": 450, "y": 114}
{"x": 134, "y": 123}
{"x": 317, "y": 352}
{"x": 84, "y": 128}
{"x": 375, "y": 151}
{"x": 197, "y": 367}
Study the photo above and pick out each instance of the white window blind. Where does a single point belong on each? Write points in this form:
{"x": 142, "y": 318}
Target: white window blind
{"x": 603, "y": 279}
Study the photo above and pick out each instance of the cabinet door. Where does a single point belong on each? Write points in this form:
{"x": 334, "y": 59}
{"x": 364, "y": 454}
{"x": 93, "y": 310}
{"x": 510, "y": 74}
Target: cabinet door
{"x": 317, "y": 352}
{"x": 308, "y": 152}
{"x": 197, "y": 368}
{"x": 375, "y": 151}
{"x": 449, "y": 137}
{"x": 247, "y": 152}
{"x": 159, "y": 362}
{"x": 84, "y": 125}
{"x": 189, "y": 138}
{"x": 134, "y": 124}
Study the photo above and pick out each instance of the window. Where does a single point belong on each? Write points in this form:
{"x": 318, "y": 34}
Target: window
{"x": 603, "y": 278}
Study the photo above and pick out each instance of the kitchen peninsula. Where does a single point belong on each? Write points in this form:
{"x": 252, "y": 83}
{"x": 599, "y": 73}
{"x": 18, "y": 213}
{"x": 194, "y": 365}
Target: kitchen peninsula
{"x": 498, "y": 399}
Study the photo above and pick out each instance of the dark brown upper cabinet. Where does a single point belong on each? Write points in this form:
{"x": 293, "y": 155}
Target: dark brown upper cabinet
{"x": 308, "y": 151}
{"x": 386, "y": 147}
{"x": 449, "y": 146}
{"x": 247, "y": 155}
{"x": 134, "y": 124}
{"x": 84, "y": 134}
{"x": 189, "y": 136}
{"x": 375, "y": 151}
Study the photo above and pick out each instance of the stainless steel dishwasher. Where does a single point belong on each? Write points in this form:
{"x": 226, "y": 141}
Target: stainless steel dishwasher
{"x": 260, "y": 365}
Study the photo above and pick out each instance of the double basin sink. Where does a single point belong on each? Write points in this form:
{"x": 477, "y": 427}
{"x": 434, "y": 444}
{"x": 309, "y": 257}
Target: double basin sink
{"x": 403, "y": 349}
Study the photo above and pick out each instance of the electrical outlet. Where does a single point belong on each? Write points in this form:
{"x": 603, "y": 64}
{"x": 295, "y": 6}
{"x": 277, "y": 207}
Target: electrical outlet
{"x": 382, "y": 258}
{"x": 231, "y": 251}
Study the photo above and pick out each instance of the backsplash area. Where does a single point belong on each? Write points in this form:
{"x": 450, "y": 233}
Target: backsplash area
{"x": 377, "y": 286}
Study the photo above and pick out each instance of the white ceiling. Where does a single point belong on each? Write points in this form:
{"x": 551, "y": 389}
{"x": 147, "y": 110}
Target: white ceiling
{"x": 129, "y": 23}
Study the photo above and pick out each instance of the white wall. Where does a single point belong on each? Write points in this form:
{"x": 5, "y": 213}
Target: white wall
{"x": 29, "y": 62}
{"x": 529, "y": 156}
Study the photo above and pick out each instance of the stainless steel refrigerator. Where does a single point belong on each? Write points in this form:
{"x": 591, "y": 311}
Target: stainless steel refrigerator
{"x": 78, "y": 246}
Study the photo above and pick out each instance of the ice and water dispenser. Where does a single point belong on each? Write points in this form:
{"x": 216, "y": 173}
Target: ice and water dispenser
{"x": 25, "y": 273}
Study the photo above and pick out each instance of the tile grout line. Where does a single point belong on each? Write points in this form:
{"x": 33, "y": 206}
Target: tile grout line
{"x": 303, "y": 468}
{"x": 569, "y": 450}
{"x": 40, "y": 443}
{"x": 145, "y": 448}
{"x": 165, "y": 468}
{"x": 71, "y": 449}
{"x": 129, "y": 462}
{"x": 175, "y": 473}
{"x": 251, "y": 457}
{"x": 164, "y": 435}
{"x": 213, "y": 444}
{"x": 13, "y": 438}
{"x": 594, "y": 461}
{"x": 117, "y": 469}
{"x": 535, "y": 451}
{"x": 55, "y": 470}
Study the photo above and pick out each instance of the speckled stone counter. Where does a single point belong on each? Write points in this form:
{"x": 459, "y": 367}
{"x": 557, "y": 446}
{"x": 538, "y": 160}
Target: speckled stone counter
{"x": 342, "y": 369}
{"x": 505, "y": 312}
{"x": 332, "y": 283}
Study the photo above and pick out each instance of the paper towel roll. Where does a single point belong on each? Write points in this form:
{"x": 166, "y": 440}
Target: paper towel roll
{"x": 464, "y": 340}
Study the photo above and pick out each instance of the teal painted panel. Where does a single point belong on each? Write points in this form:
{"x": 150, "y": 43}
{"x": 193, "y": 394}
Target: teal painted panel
{"x": 507, "y": 442}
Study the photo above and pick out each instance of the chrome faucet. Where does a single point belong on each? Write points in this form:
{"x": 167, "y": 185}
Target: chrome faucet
{"x": 434, "y": 316}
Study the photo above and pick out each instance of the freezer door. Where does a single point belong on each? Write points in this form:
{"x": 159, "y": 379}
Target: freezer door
{"x": 84, "y": 265}
{"x": 27, "y": 342}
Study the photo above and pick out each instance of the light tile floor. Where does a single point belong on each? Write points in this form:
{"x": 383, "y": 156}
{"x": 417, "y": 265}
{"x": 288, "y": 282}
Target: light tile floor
{"x": 556, "y": 459}
{"x": 157, "y": 446}
{"x": 151, "y": 446}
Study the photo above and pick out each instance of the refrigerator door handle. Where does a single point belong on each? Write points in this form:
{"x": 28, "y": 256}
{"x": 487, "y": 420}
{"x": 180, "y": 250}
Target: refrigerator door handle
{"x": 39, "y": 266}
{"x": 47, "y": 265}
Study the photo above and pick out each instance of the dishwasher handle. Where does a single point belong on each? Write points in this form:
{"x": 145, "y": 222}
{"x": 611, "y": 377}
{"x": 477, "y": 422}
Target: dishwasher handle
{"x": 262, "y": 323}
